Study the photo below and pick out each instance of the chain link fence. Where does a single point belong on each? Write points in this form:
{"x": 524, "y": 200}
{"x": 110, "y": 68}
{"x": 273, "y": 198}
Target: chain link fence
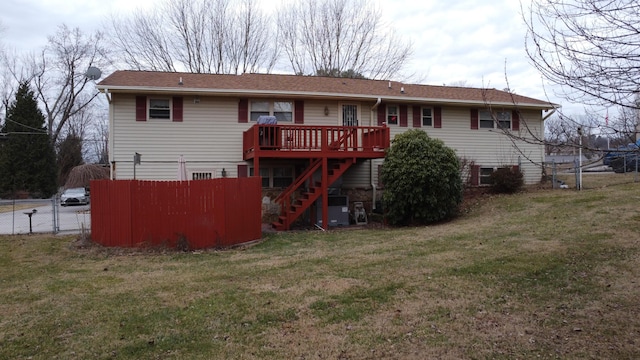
{"x": 42, "y": 216}
{"x": 592, "y": 175}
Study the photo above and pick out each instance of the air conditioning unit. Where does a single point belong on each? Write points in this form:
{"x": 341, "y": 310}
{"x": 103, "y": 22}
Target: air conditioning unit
{"x": 338, "y": 210}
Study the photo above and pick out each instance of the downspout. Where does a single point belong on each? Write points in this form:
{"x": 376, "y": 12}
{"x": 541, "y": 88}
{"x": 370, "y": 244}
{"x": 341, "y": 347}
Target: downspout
{"x": 107, "y": 94}
{"x": 553, "y": 111}
{"x": 112, "y": 168}
{"x": 373, "y": 185}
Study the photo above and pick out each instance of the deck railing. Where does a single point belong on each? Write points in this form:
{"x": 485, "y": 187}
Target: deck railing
{"x": 306, "y": 138}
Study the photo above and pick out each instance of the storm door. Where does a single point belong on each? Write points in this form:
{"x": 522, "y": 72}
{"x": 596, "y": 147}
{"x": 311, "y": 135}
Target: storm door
{"x": 349, "y": 115}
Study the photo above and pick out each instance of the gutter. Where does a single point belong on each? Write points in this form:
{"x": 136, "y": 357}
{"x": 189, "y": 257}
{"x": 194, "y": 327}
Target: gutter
{"x": 373, "y": 185}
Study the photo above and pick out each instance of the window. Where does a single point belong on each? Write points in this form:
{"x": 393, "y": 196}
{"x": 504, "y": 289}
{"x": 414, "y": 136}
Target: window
{"x": 392, "y": 115}
{"x": 259, "y": 108}
{"x": 201, "y": 175}
{"x": 485, "y": 176}
{"x": 427, "y": 117}
{"x": 159, "y": 109}
{"x": 486, "y": 120}
{"x": 503, "y": 118}
{"x": 163, "y": 108}
{"x": 275, "y": 177}
{"x": 264, "y": 174}
{"x": 282, "y": 176}
{"x": 282, "y": 110}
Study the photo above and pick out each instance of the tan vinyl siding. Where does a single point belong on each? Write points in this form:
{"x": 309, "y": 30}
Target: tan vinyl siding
{"x": 487, "y": 148}
{"x": 358, "y": 175}
{"x": 209, "y": 137}
{"x": 314, "y": 112}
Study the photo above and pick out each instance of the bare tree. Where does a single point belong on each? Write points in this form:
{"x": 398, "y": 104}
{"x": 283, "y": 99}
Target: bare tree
{"x": 5, "y": 77}
{"x": 253, "y": 46}
{"x": 99, "y": 140}
{"x": 555, "y": 135}
{"x": 199, "y": 36}
{"x": 623, "y": 128}
{"x": 591, "y": 47}
{"x": 139, "y": 41}
{"x": 335, "y": 36}
{"x": 58, "y": 75}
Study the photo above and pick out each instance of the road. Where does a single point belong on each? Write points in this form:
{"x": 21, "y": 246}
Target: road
{"x": 71, "y": 219}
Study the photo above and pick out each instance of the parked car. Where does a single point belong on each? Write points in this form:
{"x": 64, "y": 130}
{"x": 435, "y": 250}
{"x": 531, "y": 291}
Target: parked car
{"x": 625, "y": 164}
{"x": 74, "y": 196}
{"x": 620, "y": 152}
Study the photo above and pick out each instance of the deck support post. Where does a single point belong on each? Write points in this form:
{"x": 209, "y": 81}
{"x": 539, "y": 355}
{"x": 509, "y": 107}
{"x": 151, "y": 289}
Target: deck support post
{"x": 325, "y": 193}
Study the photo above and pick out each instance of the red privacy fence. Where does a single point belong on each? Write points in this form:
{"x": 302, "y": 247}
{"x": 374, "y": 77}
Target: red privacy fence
{"x": 185, "y": 214}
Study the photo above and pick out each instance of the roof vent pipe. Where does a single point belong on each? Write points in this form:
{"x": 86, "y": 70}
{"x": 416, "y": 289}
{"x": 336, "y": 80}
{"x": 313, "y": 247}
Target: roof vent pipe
{"x": 389, "y": 84}
{"x": 180, "y": 81}
{"x": 402, "y": 89}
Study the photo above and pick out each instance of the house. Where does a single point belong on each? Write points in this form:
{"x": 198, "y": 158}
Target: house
{"x": 331, "y": 131}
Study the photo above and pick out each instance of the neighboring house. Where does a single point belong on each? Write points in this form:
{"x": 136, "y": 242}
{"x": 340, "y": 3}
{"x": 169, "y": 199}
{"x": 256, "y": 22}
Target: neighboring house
{"x": 212, "y": 121}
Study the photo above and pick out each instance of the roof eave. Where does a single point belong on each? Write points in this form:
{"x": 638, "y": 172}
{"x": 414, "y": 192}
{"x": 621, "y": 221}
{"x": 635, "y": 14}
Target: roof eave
{"x": 318, "y": 95}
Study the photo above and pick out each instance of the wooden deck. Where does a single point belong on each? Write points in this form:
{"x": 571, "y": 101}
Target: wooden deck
{"x": 303, "y": 141}
{"x": 343, "y": 145}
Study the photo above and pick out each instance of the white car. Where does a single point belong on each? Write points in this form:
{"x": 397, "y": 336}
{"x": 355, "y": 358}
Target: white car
{"x": 74, "y": 196}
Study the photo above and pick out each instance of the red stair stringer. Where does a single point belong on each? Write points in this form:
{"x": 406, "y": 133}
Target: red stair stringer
{"x": 292, "y": 210}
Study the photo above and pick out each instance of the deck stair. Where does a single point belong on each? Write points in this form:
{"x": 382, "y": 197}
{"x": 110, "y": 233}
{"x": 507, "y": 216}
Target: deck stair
{"x": 297, "y": 198}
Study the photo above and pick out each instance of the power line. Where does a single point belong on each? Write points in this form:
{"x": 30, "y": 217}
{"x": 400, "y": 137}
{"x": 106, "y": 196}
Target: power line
{"x": 40, "y": 131}
{"x": 22, "y": 133}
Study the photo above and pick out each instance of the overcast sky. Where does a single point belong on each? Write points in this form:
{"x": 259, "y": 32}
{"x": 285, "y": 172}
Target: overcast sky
{"x": 472, "y": 41}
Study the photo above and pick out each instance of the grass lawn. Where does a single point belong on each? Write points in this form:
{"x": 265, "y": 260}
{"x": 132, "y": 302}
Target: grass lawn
{"x": 543, "y": 274}
{"x": 19, "y": 206}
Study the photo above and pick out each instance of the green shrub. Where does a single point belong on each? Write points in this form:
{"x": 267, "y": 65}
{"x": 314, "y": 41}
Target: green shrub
{"x": 421, "y": 178}
{"x": 507, "y": 180}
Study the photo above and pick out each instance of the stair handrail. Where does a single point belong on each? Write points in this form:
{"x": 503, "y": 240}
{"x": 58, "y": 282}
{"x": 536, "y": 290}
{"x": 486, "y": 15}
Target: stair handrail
{"x": 344, "y": 166}
{"x": 284, "y": 199}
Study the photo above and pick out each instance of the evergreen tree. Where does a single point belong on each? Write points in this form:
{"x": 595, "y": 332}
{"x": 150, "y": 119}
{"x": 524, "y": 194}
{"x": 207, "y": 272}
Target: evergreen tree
{"x": 27, "y": 157}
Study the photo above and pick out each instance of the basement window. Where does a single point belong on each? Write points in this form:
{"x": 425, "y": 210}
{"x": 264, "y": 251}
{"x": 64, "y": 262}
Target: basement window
{"x": 275, "y": 177}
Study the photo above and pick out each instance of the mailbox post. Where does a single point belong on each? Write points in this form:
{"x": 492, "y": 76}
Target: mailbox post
{"x": 30, "y": 214}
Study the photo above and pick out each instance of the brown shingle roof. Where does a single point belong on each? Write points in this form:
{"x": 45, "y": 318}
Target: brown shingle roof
{"x": 309, "y": 87}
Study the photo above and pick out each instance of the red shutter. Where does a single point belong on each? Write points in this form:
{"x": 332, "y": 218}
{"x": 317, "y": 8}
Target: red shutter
{"x": 298, "y": 116}
{"x": 475, "y": 175}
{"x": 141, "y": 108}
{"x": 417, "y": 116}
{"x": 177, "y": 108}
{"x": 437, "y": 117}
{"x": 403, "y": 115}
{"x": 474, "y": 119}
{"x": 243, "y": 111}
{"x": 243, "y": 171}
{"x": 382, "y": 114}
{"x": 515, "y": 120}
